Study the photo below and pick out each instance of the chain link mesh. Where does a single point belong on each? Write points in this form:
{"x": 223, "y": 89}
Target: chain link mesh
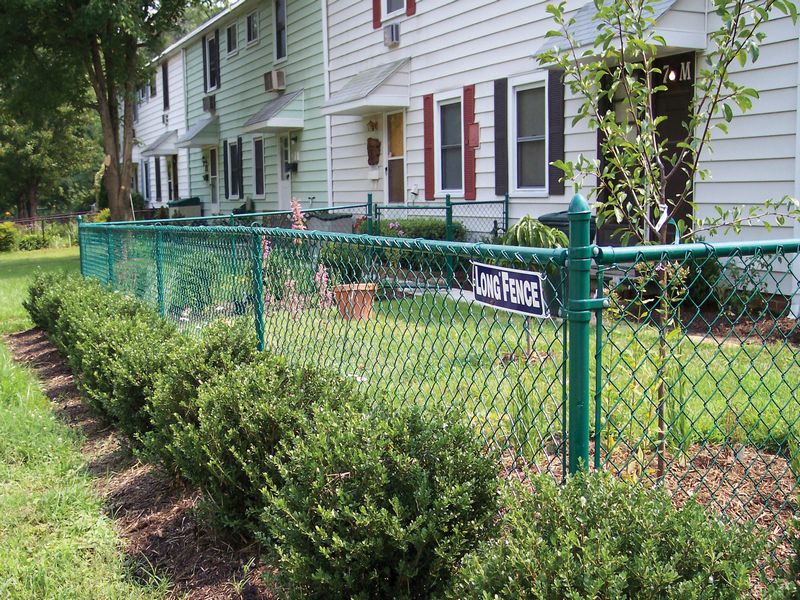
{"x": 396, "y": 315}
{"x": 698, "y": 376}
{"x": 482, "y": 221}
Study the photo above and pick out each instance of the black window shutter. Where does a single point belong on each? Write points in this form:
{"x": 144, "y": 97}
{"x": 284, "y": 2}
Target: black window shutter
{"x": 165, "y": 85}
{"x": 501, "y": 136}
{"x": 240, "y": 154}
{"x": 555, "y": 128}
{"x": 216, "y": 58}
{"x": 225, "y": 166}
{"x": 175, "y": 176}
{"x": 158, "y": 179}
{"x": 205, "y": 65}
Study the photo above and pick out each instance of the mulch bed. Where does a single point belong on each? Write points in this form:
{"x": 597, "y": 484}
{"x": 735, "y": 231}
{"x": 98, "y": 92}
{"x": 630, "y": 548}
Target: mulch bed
{"x": 769, "y": 329}
{"x": 154, "y": 513}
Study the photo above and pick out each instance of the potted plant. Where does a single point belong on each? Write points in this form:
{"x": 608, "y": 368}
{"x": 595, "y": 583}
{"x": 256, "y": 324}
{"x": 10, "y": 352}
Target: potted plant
{"x": 348, "y": 266}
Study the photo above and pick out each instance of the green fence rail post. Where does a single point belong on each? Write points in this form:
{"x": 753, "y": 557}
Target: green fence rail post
{"x": 369, "y": 214}
{"x": 258, "y": 289}
{"x": 110, "y": 255}
{"x": 81, "y": 252}
{"x": 160, "y": 274}
{"x": 448, "y": 235}
{"x": 579, "y": 317}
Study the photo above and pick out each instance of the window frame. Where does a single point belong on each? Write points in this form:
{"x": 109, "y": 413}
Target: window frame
{"x": 229, "y": 177}
{"x": 275, "y": 58}
{"x": 386, "y": 15}
{"x": 517, "y": 84}
{"x": 228, "y": 51}
{"x": 256, "y": 193}
{"x": 207, "y": 41}
{"x": 247, "y": 40}
{"x": 439, "y": 100}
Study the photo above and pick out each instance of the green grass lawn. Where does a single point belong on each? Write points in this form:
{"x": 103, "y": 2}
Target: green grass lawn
{"x": 431, "y": 349}
{"x": 55, "y": 541}
{"x": 16, "y": 270}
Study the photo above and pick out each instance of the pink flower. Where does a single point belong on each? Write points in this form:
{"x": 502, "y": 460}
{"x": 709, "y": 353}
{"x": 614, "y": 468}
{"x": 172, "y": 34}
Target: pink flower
{"x": 298, "y": 218}
{"x": 394, "y": 225}
{"x": 325, "y": 294}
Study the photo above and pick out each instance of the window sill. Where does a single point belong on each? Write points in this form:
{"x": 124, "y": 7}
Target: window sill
{"x": 252, "y": 43}
{"x": 232, "y": 54}
{"x": 454, "y": 195}
{"x": 279, "y": 61}
{"x": 393, "y": 16}
{"x": 530, "y": 193}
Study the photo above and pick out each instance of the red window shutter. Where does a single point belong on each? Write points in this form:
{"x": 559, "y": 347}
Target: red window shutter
{"x": 376, "y": 14}
{"x": 427, "y": 115}
{"x": 411, "y": 7}
{"x": 470, "y": 192}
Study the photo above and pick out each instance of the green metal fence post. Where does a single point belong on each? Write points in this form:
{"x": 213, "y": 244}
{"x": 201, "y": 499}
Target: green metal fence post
{"x": 258, "y": 290}
{"x": 578, "y": 317}
{"x": 81, "y": 252}
{"x": 110, "y": 254}
{"x": 448, "y": 235}
{"x": 160, "y": 274}
{"x": 369, "y": 214}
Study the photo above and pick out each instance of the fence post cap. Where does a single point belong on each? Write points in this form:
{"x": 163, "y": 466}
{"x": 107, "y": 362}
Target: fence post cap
{"x": 578, "y": 205}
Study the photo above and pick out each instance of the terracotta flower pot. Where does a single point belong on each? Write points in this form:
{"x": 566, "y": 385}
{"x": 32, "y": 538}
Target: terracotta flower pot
{"x": 355, "y": 300}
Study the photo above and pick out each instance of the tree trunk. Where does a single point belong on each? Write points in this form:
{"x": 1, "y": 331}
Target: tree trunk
{"x": 33, "y": 200}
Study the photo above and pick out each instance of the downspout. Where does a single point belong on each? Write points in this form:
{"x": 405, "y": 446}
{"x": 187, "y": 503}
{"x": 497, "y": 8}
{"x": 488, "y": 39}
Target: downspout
{"x": 796, "y": 192}
{"x": 327, "y": 84}
{"x": 186, "y": 120}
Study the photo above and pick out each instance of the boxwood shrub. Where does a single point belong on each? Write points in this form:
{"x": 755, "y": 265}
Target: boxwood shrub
{"x": 379, "y": 505}
{"x": 429, "y": 228}
{"x": 172, "y": 407}
{"x": 243, "y": 417}
{"x": 601, "y": 537}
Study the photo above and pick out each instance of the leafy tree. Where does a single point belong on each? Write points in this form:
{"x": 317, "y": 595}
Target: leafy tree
{"x": 52, "y": 49}
{"x": 638, "y": 162}
{"x": 38, "y": 159}
{"x": 617, "y": 78}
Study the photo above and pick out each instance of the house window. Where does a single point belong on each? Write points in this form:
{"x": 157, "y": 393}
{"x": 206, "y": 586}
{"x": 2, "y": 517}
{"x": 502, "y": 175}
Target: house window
{"x": 451, "y": 150}
{"x": 234, "y": 169}
{"x": 280, "y": 30}
{"x": 165, "y": 85}
{"x": 211, "y": 61}
{"x": 232, "y": 38}
{"x": 258, "y": 165}
{"x": 394, "y": 6}
{"x": 530, "y": 137}
{"x": 252, "y": 27}
{"x": 153, "y": 86}
{"x": 146, "y": 179}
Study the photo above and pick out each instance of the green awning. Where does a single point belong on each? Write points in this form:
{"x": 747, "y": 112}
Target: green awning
{"x": 193, "y": 201}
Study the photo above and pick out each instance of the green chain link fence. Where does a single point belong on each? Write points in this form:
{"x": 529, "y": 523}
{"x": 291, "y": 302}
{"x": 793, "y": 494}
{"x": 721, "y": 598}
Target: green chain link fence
{"x": 669, "y": 365}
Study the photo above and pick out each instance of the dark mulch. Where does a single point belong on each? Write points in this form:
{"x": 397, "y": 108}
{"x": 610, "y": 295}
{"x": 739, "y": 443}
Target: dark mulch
{"x": 714, "y": 325}
{"x": 154, "y": 513}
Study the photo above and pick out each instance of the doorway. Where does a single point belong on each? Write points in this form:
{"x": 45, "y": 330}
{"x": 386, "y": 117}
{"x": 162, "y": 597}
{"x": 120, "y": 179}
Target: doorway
{"x": 213, "y": 179}
{"x": 284, "y": 171}
{"x": 395, "y": 167}
{"x": 673, "y": 103}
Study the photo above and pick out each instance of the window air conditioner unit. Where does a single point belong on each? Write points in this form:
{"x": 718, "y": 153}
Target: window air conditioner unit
{"x": 209, "y": 104}
{"x": 274, "y": 81}
{"x": 165, "y": 119}
{"x": 391, "y": 35}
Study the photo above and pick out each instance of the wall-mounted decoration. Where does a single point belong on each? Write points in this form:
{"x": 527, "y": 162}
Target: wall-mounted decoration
{"x": 373, "y": 151}
{"x": 372, "y": 126}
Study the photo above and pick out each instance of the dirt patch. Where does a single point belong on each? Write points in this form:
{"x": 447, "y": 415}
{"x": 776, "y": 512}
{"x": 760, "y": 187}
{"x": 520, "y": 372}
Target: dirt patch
{"x": 153, "y": 512}
{"x": 714, "y": 325}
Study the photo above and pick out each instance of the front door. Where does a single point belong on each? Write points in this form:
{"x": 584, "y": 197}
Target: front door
{"x": 213, "y": 179}
{"x": 284, "y": 172}
{"x": 395, "y": 159}
{"x": 673, "y": 103}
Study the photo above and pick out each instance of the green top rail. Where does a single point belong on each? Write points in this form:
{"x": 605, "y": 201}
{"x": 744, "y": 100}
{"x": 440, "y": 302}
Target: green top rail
{"x": 609, "y": 255}
{"x": 234, "y": 215}
{"x": 435, "y": 206}
{"x": 488, "y": 251}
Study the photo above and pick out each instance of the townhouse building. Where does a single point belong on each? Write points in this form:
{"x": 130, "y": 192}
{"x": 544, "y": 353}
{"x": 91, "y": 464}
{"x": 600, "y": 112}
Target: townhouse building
{"x": 160, "y": 167}
{"x": 436, "y": 97}
{"x": 255, "y": 135}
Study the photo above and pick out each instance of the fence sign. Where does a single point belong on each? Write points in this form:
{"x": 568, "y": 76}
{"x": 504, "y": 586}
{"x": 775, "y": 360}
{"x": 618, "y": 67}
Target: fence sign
{"x": 513, "y": 290}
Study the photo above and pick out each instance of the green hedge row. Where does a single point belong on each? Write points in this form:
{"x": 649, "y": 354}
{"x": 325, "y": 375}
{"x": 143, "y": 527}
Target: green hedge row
{"x": 430, "y": 228}
{"x": 367, "y": 502}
